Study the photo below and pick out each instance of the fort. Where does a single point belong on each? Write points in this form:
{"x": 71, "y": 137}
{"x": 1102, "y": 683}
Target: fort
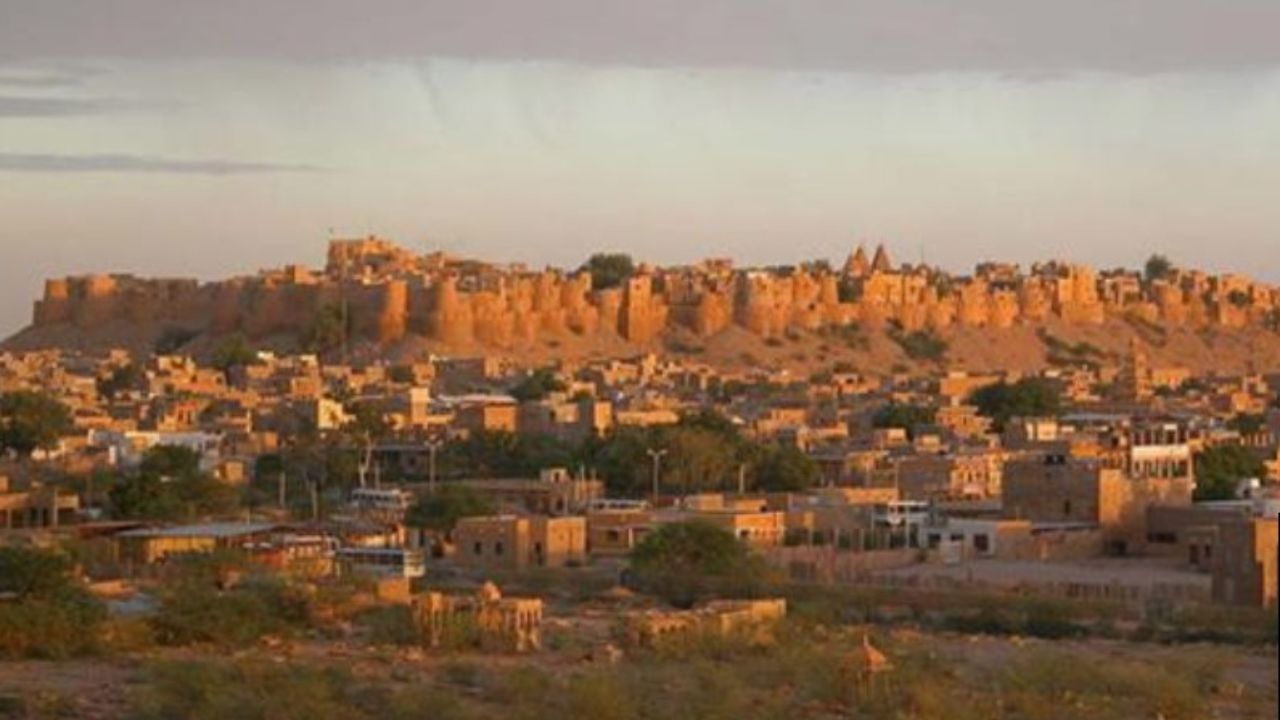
{"x": 382, "y": 294}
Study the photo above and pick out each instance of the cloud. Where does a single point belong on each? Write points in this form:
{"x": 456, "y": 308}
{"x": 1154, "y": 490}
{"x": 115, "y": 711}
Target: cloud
{"x": 38, "y": 81}
{"x": 40, "y": 163}
{"x": 47, "y": 76}
{"x": 12, "y": 106}
{"x": 1126, "y": 36}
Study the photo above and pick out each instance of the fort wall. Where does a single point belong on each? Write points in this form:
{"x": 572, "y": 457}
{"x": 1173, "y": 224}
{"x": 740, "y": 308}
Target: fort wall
{"x": 390, "y": 293}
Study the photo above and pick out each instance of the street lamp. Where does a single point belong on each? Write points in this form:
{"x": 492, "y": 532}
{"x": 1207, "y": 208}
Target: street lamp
{"x": 433, "y": 445}
{"x": 656, "y": 456}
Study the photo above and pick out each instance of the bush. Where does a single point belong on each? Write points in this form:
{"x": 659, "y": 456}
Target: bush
{"x": 921, "y": 345}
{"x": 687, "y": 562}
{"x": 905, "y": 416}
{"x": 44, "y": 611}
{"x": 1219, "y": 471}
{"x": 609, "y": 270}
{"x": 537, "y": 385}
{"x": 194, "y": 609}
{"x": 391, "y": 625}
{"x": 1029, "y": 397}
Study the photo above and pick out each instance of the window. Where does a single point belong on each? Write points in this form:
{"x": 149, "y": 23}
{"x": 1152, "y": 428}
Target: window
{"x": 478, "y": 548}
{"x": 612, "y": 535}
{"x": 497, "y": 548}
{"x": 982, "y": 543}
{"x": 1066, "y": 508}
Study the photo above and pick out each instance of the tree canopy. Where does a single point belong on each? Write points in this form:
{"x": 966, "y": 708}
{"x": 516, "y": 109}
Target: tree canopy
{"x": 904, "y": 415}
{"x": 687, "y": 562}
{"x": 1158, "y": 267}
{"x": 1248, "y": 423}
{"x": 327, "y": 330}
{"x": 609, "y": 270}
{"x": 785, "y": 468}
{"x": 1219, "y": 471}
{"x": 1029, "y": 397}
{"x": 234, "y": 351}
{"x": 442, "y": 509}
{"x": 31, "y": 421}
{"x": 169, "y": 485}
{"x": 537, "y": 385}
{"x": 500, "y": 454}
{"x": 48, "y": 614}
{"x": 126, "y": 377}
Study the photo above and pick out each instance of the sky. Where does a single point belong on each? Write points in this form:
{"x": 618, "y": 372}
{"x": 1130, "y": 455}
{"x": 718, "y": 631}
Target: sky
{"x": 204, "y": 139}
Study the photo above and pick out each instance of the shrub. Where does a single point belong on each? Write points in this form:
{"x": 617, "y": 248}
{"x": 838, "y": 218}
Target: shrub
{"x": 44, "y": 611}
{"x": 1029, "y": 397}
{"x": 686, "y": 562}
{"x": 194, "y": 610}
{"x": 609, "y": 270}
{"x": 921, "y": 345}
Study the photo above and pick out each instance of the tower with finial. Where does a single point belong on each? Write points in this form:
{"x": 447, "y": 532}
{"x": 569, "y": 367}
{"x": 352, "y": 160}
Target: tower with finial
{"x": 881, "y": 262}
{"x": 857, "y": 265}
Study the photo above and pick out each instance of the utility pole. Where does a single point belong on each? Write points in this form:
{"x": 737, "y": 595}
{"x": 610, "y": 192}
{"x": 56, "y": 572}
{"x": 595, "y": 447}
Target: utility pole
{"x": 742, "y": 479}
{"x": 343, "y": 309}
{"x": 656, "y": 456}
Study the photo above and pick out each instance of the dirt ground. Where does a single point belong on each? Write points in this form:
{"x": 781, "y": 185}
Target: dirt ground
{"x": 1142, "y": 573}
{"x": 100, "y": 689}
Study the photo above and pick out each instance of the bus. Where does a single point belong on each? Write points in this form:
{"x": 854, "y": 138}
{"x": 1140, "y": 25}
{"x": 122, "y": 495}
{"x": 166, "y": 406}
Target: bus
{"x": 382, "y": 562}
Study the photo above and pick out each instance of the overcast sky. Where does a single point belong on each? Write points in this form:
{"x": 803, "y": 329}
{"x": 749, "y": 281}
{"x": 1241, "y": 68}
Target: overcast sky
{"x": 195, "y": 138}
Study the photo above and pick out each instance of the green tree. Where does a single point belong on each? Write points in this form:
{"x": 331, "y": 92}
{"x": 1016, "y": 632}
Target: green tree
{"x": 327, "y": 331}
{"x": 125, "y": 377}
{"x": 500, "y": 454}
{"x": 233, "y": 352}
{"x": 698, "y": 459}
{"x": 904, "y": 415}
{"x": 687, "y": 562}
{"x": 713, "y": 421}
{"x": 169, "y": 485}
{"x": 1219, "y": 471}
{"x": 172, "y": 339}
{"x": 31, "y": 421}
{"x": 441, "y": 511}
{"x": 44, "y": 611}
{"x": 1029, "y": 397}
{"x": 1248, "y": 423}
{"x": 174, "y": 461}
{"x": 537, "y": 385}
{"x": 143, "y": 497}
{"x": 785, "y": 468}
{"x": 921, "y": 345}
{"x": 621, "y": 459}
{"x": 198, "y": 606}
{"x": 1158, "y": 267}
{"x": 609, "y": 270}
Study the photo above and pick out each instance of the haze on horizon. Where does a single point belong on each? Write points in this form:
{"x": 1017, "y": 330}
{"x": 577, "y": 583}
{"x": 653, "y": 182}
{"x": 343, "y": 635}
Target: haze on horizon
{"x": 207, "y": 139}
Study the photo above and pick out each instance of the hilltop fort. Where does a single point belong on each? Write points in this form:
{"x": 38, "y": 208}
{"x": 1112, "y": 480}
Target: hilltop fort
{"x": 380, "y": 295}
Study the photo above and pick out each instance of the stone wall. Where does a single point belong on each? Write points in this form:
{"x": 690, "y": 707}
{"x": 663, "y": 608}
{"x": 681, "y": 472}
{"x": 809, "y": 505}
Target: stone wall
{"x": 390, "y": 293}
